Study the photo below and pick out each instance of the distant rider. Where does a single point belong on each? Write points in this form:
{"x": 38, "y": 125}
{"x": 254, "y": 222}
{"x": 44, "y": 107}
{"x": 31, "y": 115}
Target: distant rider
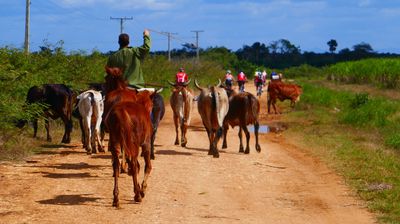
{"x": 241, "y": 79}
{"x": 229, "y": 79}
{"x": 181, "y": 77}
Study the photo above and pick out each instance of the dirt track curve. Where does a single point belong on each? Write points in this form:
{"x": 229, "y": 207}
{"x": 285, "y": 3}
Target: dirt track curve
{"x": 279, "y": 185}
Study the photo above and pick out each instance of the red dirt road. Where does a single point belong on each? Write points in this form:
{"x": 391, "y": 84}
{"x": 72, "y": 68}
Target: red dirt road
{"x": 281, "y": 184}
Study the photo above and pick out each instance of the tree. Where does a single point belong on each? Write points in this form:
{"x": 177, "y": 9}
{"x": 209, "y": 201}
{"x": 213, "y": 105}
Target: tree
{"x": 363, "y": 48}
{"x": 332, "y": 45}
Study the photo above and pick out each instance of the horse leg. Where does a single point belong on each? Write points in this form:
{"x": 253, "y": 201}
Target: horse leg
{"x": 134, "y": 164}
{"x": 116, "y": 171}
{"x": 147, "y": 167}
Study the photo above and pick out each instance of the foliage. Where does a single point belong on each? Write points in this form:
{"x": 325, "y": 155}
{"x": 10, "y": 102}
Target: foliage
{"x": 383, "y": 73}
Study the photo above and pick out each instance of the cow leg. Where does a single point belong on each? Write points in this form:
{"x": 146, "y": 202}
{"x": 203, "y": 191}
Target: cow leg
{"x": 225, "y": 131}
{"x": 147, "y": 167}
{"x": 47, "y": 126}
{"x": 86, "y": 128}
{"x": 67, "y": 129}
{"x": 215, "y": 142}
{"x": 209, "y": 134}
{"x": 176, "y": 122}
{"x": 93, "y": 136}
{"x": 82, "y": 132}
{"x": 153, "y": 138}
{"x": 183, "y": 130}
{"x": 256, "y": 128}
{"x": 240, "y": 140}
{"x": 35, "y": 127}
{"x": 247, "y": 133}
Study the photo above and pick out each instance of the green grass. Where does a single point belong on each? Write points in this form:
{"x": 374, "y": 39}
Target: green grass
{"x": 356, "y": 135}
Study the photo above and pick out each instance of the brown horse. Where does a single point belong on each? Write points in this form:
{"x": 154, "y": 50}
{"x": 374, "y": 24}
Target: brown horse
{"x": 128, "y": 121}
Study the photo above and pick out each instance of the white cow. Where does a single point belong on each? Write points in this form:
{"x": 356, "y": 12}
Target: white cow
{"x": 91, "y": 107}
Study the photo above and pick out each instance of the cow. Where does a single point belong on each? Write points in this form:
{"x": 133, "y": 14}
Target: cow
{"x": 157, "y": 114}
{"x": 181, "y": 102}
{"x": 91, "y": 106}
{"x": 58, "y": 100}
{"x": 244, "y": 109}
{"x": 282, "y": 91}
{"x": 213, "y": 106}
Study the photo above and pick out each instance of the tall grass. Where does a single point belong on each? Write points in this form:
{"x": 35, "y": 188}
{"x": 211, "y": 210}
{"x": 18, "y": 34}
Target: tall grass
{"x": 384, "y": 73}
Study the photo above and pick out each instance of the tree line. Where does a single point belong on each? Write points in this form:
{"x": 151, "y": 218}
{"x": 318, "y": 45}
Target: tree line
{"x": 278, "y": 54}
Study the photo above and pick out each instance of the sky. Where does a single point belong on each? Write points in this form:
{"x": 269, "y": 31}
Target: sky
{"x": 86, "y": 25}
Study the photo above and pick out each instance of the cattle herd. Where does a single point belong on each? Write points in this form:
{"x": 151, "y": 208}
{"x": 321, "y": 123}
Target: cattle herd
{"x": 131, "y": 117}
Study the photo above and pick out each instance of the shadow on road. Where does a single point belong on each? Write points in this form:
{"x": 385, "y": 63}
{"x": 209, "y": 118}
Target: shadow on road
{"x": 69, "y": 200}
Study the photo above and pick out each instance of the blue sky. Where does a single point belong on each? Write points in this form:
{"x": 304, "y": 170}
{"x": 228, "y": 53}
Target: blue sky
{"x": 86, "y": 24}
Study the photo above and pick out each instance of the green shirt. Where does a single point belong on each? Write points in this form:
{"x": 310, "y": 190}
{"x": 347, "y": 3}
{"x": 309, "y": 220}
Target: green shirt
{"x": 129, "y": 59}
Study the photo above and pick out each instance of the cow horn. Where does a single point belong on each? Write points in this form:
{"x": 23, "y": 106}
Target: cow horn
{"x": 219, "y": 83}
{"x": 197, "y": 85}
{"x": 159, "y": 90}
{"x": 187, "y": 83}
{"x": 171, "y": 83}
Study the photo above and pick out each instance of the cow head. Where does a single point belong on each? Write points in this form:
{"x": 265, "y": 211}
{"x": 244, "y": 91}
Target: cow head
{"x": 184, "y": 84}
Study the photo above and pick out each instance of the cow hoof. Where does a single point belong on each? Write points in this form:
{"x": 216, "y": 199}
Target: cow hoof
{"x": 258, "y": 148}
{"x": 183, "y": 144}
{"x": 224, "y": 146}
{"x": 209, "y": 152}
{"x": 115, "y": 203}
{"x": 152, "y": 156}
{"x": 216, "y": 155}
{"x": 176, "y": 143}
{"x": 247, "y": 151}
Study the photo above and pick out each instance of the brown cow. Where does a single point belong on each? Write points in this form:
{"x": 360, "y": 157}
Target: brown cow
{"x": 181, "y": 102}
{"x": 283, "y": 91}
{"x": 213, "y": 106}
{"x": 57, "y": 100}
{"x": 244, "y": 109}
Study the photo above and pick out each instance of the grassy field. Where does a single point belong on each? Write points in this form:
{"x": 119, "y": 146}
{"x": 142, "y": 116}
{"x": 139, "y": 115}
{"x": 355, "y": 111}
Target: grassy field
{"x": 357, "y": 135}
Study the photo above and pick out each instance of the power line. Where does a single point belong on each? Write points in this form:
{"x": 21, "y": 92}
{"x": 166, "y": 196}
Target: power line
{"x": 122, "y": 19}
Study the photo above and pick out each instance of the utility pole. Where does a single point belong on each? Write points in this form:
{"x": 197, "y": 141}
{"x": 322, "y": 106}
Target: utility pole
{"x": 122, "y": 19}
{"x": 27, "y": 16}
{"x": 169, "y": 35}
{"x": 197, "y": 43}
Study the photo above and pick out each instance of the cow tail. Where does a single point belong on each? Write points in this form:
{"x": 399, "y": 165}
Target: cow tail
{"x": 216, "y": 105}
{"x": 254, "y": 107}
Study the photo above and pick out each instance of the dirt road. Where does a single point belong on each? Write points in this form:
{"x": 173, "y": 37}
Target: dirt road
{"x": 279, "y": 185}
